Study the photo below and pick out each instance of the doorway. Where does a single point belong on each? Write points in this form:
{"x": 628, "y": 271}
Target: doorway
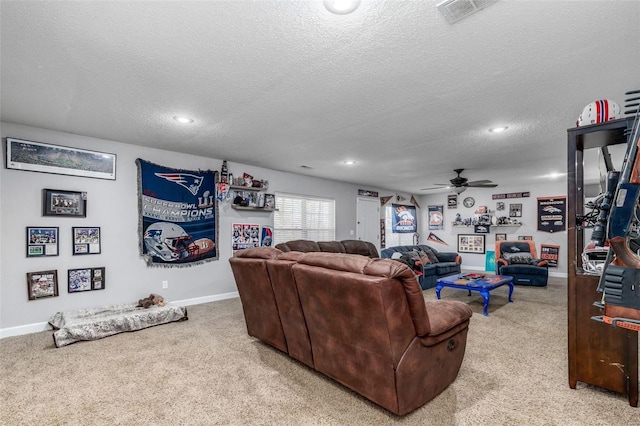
{"x": 368, "y": 220}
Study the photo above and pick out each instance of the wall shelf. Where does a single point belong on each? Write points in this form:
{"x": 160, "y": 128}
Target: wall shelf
{"x": 259, "y": 209}
{"x": 245, "y": 188}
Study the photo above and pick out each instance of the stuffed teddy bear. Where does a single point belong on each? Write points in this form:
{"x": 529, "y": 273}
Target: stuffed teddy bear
{"x": 153, "y": 299}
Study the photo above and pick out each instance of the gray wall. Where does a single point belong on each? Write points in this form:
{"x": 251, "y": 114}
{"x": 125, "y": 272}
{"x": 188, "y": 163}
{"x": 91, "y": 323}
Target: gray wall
{"x": 112, "y": 205}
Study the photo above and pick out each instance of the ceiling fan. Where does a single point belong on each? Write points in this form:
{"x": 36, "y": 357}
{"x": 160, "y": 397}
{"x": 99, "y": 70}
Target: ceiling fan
{"x": 459, "y": 184}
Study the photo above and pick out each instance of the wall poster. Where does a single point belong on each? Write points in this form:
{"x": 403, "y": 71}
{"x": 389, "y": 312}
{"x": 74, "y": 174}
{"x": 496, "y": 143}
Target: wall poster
{"x": 436, "y": 218}
{"x": 404, "y": 219}
{"x": 552, "y": 212}
{"x": 244, "y": 236}
{"x": 550, "y": 253}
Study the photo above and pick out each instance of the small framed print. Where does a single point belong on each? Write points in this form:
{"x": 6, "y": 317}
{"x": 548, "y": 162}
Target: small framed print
{"x": 501, "y": 237}
{"x": 42, "y": 241}
{"x": 525, "y": 237}
{"x": 42, "y": 284}
{"x": 515, "y": 210}
{"x": 86, "y": 240}
{"x": 56, "y": 202}
{"x": 85, "y": 279}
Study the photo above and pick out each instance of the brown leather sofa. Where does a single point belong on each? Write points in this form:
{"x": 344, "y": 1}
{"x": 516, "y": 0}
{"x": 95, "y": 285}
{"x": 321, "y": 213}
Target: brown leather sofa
{"x": 361, "y": 321}
{"x": 364, "y": 248}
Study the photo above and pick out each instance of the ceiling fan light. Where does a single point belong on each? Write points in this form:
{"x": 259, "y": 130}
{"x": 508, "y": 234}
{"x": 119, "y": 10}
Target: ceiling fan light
{"x": 459, "y": 189}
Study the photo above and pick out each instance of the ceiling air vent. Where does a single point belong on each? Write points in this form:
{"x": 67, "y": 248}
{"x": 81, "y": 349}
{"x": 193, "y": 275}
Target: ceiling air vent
{"x": 455, "y": 10}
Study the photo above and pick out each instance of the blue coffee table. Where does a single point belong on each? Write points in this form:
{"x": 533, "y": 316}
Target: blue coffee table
{"x": 482, "y": 283}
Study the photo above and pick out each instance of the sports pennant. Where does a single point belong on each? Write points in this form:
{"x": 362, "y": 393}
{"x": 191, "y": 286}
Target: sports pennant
{"x": 434, "y": 238}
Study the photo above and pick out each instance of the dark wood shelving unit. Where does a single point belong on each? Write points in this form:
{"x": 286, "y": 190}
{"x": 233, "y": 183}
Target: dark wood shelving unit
{"x": 599, "y": 354}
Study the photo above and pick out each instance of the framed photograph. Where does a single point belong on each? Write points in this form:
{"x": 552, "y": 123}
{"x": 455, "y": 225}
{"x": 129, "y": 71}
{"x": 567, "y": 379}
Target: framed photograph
{"x": 62, "y": 160}
{"x": 269, "y": 201}
{"x": 42, "y": 241}
{"x": 525, "y": 237}
{"x": 85, "y": 279}
{"x": 86, "y": 240}
{"x": 42, "y": 284}
{"x": 515, "y": 210}
{"x": 471, "y": 243}
{"x": 501, "y": 237}
{"x": 57, "y": 202}
{"x": 500, "y": 205}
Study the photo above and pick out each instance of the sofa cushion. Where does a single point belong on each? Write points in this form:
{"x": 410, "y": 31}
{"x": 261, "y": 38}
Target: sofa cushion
{"x": 299, "y": 245}
{"x": 364, "y": 248}
{"x": 331, "y": 246}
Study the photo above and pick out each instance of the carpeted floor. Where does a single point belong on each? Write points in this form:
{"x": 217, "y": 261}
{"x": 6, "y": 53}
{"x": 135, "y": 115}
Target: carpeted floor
{"x": 208, "y": 371}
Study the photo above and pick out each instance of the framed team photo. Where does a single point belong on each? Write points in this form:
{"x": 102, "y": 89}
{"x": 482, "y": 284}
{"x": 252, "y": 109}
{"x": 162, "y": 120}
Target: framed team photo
{"x": 57, "y": 202}
{"x": 86, "y": 240}
{"x": 85, "y": 279}
{"x": 42, "y": 241}
{"x": 42, "y": 284}
{"x": 471, "y": 243}
{"x": 63, "y": 160}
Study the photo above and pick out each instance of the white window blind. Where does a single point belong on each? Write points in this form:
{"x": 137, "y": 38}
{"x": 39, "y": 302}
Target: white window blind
{"x": 300, "y": 217}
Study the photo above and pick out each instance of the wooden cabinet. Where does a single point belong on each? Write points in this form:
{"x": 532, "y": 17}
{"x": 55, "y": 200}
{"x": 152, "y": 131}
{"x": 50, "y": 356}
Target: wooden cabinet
{"x": 599, "y": 354}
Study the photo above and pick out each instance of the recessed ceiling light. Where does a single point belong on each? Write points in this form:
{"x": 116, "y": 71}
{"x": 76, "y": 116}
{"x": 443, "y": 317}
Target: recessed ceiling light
{"x": 349, "y": 162}
{"x": 498, "y": 129}
{"x": 183, "y": 120}
{"x": 341, "y": 7}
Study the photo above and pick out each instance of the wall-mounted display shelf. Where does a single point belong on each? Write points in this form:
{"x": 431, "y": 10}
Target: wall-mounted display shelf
{"x": 252, "y": 198}
{"x": 245, "y": 188}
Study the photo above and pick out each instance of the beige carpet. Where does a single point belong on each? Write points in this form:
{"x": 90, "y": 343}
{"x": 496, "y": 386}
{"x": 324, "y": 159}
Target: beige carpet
{"x": 208, "y": 371}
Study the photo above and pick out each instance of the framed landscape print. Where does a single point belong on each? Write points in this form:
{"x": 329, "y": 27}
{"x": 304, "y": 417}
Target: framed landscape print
{"x": 63, "y": 160}
{"x": 42, "y": 241}
{"x": 85, "y": 279}
{"x": 57, "y": 202}
{"x": 471, "y": 243}
{"x": 86, "y": 240}
{"x": 42, "y": 284}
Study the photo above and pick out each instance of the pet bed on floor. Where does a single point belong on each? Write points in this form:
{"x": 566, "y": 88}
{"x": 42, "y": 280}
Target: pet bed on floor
{"x": 94, "y": 324}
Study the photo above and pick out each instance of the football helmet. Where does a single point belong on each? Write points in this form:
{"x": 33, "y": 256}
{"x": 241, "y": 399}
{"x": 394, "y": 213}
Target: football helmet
{"x": 598, "y": 112}
{"x": 594, "y": 257}
{"x": 167, "y": 241}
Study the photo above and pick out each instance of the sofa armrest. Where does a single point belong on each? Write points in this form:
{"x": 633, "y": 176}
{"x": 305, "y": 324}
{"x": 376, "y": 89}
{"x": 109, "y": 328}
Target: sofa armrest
{"x": 449, "y": 257}
{"x": 446, "y": 317}
{"x": 541, "y": 262}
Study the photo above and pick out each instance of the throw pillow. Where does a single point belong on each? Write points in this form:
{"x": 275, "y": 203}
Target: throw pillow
{"x": 519, "y": 258}
{"x": 432, "y": 256}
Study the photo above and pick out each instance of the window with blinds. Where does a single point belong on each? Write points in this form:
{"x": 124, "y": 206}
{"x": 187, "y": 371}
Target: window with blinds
{"x": 299, "y": 217}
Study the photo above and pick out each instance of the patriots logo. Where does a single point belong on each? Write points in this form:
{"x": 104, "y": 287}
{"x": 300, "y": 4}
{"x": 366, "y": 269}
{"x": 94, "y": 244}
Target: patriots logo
{"x": 189, "y": 182}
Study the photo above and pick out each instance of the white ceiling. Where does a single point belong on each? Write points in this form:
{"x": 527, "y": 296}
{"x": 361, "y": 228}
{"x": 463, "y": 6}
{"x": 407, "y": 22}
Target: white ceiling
{"x": 281, "y": 84}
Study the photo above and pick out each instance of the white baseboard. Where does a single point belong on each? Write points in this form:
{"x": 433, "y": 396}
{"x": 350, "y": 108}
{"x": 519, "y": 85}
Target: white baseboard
{"x": 24, "y": 329}
{"x": 551, "y": 273}
{"x": 44, "y": 326}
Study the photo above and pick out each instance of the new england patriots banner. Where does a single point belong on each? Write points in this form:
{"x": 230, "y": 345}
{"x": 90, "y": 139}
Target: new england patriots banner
{"x": 177, "y": 215}
{"x": 404, "y": 219}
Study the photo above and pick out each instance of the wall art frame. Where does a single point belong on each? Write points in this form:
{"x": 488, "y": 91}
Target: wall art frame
{"x": 42, "y": 284}
{"x": 86, "y": 240}
{"x": 57, "y": 159}
{"x": 501, "y": 237}
{"x": 58, "y": 202}
{"x": 85, "y": 279}
{"x": 471, "y": 243}
{"x": 43, "y": 241}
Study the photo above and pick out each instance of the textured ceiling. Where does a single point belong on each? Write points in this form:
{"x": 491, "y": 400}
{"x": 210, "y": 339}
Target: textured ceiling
{"x": 281, "y": 84}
